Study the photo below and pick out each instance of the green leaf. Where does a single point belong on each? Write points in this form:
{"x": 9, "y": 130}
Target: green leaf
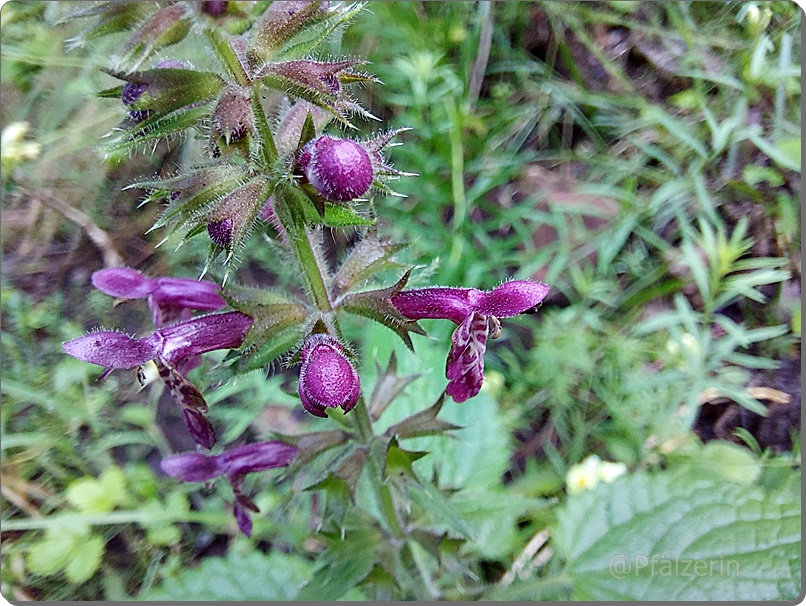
{"x": 422, "y": 423}
{"x": 85, "y": 560}
{"x": 367, "y": 258}
{"x": 98, "y": 496}
{"x": 346, "y": 563}
{"x": 49, "y": 555}
{"x": 237, "y": 577}
{"x": 658, "y": 537}
{"x": 157, "y": 127}
{"x": 341, "y": 216}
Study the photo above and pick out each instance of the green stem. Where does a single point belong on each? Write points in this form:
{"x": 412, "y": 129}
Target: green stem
{"x": 228, "y": 57}
{"x": 114, "y": 517}
{"x": 314, "y": 276}
{"x": 267, "y": 147}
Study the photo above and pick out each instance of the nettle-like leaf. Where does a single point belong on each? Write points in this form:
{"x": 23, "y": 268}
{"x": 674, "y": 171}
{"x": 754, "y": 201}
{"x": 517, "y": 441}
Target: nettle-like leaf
{"x": 423, "y": 423}
{"x": 250, "y": 576}
{"x": 155, "y": 128}
{"x": 662, "y": 537}
{"x": 367, "y": 258}
{"x": 376, "y": 305}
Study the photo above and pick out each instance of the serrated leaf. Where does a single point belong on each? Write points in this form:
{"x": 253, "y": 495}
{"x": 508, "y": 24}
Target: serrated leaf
{"x": 309, "y": 39}
{"x": 367, "y": 258}
{"x": 376, "y": 305}
{"x": 423, "y": 423}
{"x": 346, "y": 563}
{"x": 387, "y": 387}
{"x": 657, "y": 537}
{"x": 49, "y": 555}
{"x": 237, "y": 577}
{"x": 85, "y": 560}
{"x": 98, "y": 496}
{"x": 341, "y": 216}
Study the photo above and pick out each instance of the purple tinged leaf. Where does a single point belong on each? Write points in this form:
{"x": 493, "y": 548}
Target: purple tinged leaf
{"x": 327, "y": 379}
{"x": 112, "y": 349}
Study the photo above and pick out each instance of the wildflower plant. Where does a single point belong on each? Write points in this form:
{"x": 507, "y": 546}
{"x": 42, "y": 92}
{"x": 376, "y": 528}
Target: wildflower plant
{"x": 295, "y": 178}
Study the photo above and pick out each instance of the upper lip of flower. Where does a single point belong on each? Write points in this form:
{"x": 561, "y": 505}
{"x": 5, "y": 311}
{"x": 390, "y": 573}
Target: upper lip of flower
{"x": 474, "y": 311}
{"x": 451, "y": 303}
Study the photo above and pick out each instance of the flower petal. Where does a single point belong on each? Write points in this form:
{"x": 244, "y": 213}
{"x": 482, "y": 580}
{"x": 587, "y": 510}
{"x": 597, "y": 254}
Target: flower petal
{"x": 512, "y": 298}
{"x": 441, "y": 302}
{"x": 200, "y": 335}
{"x": 122, "y": 282}
{"x": 259, "y": 456}
{"x": 191, "y": 294}
{"x": 191, "y": 467}
{"x": 112, "y": 349}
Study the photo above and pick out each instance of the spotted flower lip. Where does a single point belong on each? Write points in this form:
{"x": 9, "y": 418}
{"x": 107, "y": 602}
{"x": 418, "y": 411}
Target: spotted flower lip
{"x": 174, "y": 343}
{"x": 476, "y": 313}
{"x": 233, "y": 464}
{"x": 327, "y": 379}
{"x": 168, "y": 298}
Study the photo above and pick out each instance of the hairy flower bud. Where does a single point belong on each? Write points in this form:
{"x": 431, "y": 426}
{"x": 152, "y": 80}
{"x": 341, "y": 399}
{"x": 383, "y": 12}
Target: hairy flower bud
{"x": 232, "y": 117}
{"x": 327, "y": 378}
{"x": 215, "y": 9}
{"x": 133, "y": 90}
{"x": 339, "y": 169}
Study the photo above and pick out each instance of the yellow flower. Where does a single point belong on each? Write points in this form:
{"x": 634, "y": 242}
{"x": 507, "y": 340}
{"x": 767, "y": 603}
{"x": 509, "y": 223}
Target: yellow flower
{"x": 14, "y": 149}
{"x": 592, "y": 470}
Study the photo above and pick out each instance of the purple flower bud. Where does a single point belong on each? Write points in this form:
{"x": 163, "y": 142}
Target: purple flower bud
{"x": 168, "y": 298}
{"x": 233, "y": 117}
{"x": 132, "y": 91}
{"x": 339, "y": 169}
{"x": 327, "y": 378}
{"x": 215, "y": 8}
{"x": 220, "y": 232}
{"x": 474, "y": 311}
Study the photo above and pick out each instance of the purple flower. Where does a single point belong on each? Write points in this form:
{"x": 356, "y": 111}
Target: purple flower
{"x": 174, "y": 343}
{"x": 476, "y": 312}
{"x": 327, "y": 379}
{"x": 171, "y": 348}
{"x": 234, "y": 465}
{"x": 169, "y": 299}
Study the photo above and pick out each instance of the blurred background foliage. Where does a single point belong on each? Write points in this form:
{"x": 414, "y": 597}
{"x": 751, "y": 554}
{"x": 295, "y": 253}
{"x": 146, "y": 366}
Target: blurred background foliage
{"x": 641, "y": 158}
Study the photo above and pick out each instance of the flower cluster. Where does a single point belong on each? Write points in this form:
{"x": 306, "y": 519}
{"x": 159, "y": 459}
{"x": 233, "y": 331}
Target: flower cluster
{"x": 292, "y": 180}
